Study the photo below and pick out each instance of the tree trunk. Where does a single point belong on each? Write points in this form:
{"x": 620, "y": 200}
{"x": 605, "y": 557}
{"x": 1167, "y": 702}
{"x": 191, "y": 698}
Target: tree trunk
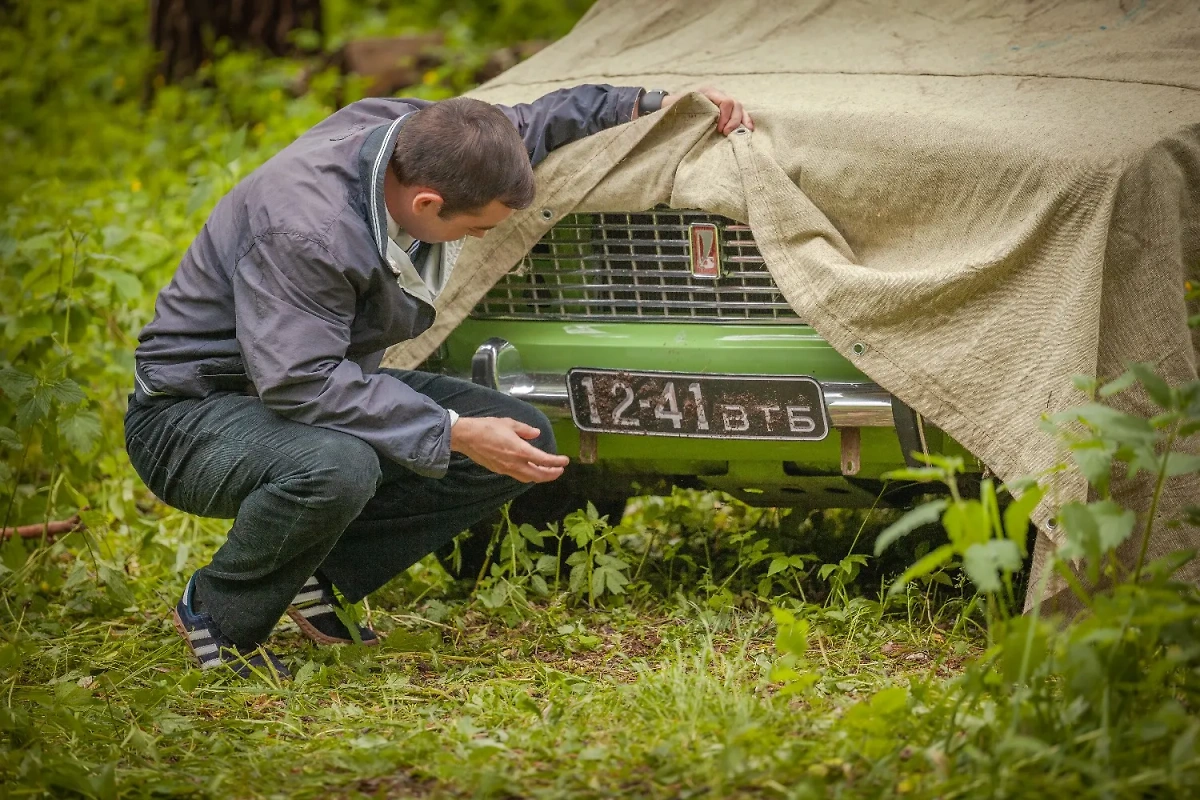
{"x": 185, "y": 31}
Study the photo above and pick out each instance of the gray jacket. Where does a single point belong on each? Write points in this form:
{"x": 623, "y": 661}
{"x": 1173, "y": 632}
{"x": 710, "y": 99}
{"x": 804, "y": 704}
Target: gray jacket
{"x": 286, "y": 292}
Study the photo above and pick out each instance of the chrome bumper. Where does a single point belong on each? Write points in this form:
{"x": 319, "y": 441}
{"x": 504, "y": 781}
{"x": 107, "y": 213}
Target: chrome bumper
{"x": 497, "y": 364}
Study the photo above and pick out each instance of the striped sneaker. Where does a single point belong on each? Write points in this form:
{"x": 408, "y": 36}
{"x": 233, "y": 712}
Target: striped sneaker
{"x": 313, "y": 609}
{"x": 212, "y": 648}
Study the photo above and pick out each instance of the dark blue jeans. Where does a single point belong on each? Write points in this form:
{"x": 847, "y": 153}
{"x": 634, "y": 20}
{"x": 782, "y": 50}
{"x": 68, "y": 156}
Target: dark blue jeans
{"x": 305, "y": 498}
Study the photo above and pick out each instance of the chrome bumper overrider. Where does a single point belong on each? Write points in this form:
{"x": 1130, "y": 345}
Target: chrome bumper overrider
{"x": 497, "y": 364}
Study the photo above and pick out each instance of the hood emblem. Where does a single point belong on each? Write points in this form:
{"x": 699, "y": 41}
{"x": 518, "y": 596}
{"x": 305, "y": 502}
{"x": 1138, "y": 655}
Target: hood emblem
{"x": 704, "y": 248}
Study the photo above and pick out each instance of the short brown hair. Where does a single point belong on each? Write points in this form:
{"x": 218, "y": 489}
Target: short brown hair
{"x": 468, "y": 152}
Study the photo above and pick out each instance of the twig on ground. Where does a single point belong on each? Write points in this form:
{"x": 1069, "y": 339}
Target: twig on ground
{"x": 47, "y": 529}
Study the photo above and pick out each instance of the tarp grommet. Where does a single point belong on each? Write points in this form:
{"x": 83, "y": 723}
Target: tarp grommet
{"x": 858, "y": 348}
{"x": 547, "y": 214}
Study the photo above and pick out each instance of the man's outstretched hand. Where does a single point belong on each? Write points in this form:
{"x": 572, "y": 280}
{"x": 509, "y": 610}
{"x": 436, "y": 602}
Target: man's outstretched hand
{"x": 502, "y": 446}
{"x": 733, "y": 115}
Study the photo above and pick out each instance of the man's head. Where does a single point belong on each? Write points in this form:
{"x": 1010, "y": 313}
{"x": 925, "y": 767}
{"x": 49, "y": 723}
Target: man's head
{"x": 460, "y": 169}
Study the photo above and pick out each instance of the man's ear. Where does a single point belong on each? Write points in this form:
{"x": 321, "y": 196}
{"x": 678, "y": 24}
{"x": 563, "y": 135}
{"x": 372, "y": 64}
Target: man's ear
{"x": 427, "y": 201}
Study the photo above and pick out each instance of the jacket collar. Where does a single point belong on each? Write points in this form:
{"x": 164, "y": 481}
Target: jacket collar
{"x": 372, "y": 166}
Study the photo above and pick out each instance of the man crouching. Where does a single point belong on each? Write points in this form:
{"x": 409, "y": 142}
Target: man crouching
{"x": 258, "y": 393}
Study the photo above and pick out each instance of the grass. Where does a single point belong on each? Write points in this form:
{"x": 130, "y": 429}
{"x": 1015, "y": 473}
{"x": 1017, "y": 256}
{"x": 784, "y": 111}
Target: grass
{"x": 656, "y": 695}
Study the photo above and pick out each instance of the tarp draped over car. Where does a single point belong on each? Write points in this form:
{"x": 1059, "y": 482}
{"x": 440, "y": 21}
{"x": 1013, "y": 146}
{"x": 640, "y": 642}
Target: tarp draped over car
{"x": 972, "y": 201}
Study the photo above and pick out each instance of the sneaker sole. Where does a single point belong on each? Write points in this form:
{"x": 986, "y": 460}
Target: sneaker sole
{"x": 315, "y": 635}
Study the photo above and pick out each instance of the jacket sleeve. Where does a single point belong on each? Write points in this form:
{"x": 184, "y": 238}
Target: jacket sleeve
{"x": 294, "y": 307}
{"x": 566, "y": 115}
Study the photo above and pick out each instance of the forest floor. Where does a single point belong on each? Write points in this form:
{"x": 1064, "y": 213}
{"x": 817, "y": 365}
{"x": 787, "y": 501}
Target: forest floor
{"x": 655, "y": 695}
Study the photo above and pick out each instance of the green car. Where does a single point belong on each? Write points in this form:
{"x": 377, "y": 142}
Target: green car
{"x": 663, "y": 352}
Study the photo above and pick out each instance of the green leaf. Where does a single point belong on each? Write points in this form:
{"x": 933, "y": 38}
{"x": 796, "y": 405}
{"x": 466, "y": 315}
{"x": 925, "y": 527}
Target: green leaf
{"x": 612, "y": 561}
{"x": 114, "y": 579}
{"x": 578, "y": 576}
{"x": 582, "y": 533}
{"x": 890, "y": 701}
{"x": 32, "y": 409}
{"x": 82, "y": 431}
{"x": 1094, "y": 529}
{"x": 1154, "y": 385}
{"x": 985, "y": 562}
{"x": 113, "y": 236}
{"x": 234, "y": 146}
{"x": 412, "y": 641}
{"x": 1025, "y": 642}
{"x": 792, "y": 679}
{"x": 305, "y": 674}
{"x": 199, "y": 197}
{"x": 918, "y": 474}
{"x": 1182, "y": 464}
{"x": 921, "y": 515}
{"x": 935, "y": 559}
{"x": 40, "y": 243}
{"x": 953, "y": 465}
{"x": 791, "y": 636}
{"x": 1095, "y": 459}
{"x": 9, "y": 439}
{"x": 1110, "y": 423}
{"x": 1119, "y": 384}
{"x": 782, "y": 616}
{"x": 531, "y": 534}
{"x": 15, "y": 383}
{"x": 67, "y": 392}
{"x": 126, "y": 285}
{"x": 1016, "y": 516}
{"x": 966, "y": 522}
{"x": 778, "y": 564}
{"x": 615, "y": 581}
{"x": 1114, "y": 523}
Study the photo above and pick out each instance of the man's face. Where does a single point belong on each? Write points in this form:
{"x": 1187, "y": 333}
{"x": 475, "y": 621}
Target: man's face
{"x": 427, "y": 225}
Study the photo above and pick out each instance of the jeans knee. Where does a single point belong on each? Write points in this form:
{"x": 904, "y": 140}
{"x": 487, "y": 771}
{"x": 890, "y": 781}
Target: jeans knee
{"x": 344, "y": 473}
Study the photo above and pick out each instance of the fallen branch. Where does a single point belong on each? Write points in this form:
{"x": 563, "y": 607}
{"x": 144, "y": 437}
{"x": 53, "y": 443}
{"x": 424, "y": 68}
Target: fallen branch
{"x": 47, "y": 529}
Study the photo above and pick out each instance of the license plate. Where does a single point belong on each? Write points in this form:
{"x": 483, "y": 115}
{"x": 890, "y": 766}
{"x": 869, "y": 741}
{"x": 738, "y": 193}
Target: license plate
{"x": 704, "y": 406}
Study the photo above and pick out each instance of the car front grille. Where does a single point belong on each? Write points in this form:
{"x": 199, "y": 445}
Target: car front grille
{"x": 607, "y": 266}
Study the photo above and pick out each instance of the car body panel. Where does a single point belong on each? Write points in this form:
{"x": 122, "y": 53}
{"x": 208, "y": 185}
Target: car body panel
{"x": 766, "y": 472}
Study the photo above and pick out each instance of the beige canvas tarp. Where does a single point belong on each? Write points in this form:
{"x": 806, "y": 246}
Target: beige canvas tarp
{"x": 987, "y": 197}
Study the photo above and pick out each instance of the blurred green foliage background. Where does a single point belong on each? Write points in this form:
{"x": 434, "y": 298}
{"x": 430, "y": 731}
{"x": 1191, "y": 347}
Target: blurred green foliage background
{"x": 109, "y": 173}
